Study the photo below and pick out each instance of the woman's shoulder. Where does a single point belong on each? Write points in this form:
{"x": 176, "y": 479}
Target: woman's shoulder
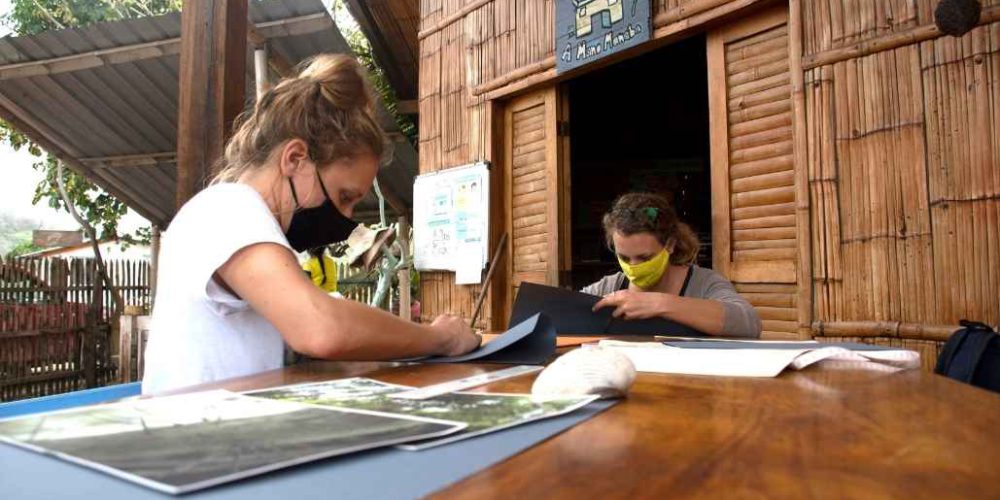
{"x": 705, "y": 273}
{"x": 704, "y": 282}
{"x": 229, "y": 201}
{"x": 226, "y": 194}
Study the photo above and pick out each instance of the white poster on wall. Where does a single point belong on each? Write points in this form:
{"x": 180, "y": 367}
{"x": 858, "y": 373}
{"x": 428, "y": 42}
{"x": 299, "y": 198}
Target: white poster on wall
{"x": 451, "y": 217}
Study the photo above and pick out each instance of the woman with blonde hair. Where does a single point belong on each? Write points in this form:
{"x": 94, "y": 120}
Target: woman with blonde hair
{"x": 659, "y": 278}
{"x": 230, "y": 288}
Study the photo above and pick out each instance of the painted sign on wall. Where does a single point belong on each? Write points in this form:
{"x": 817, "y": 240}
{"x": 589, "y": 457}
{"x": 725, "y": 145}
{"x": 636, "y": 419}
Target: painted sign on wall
{"x": 587, "y": 30}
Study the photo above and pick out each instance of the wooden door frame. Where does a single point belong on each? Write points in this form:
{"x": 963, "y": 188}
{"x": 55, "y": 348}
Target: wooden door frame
{"x": 502, "y": 119}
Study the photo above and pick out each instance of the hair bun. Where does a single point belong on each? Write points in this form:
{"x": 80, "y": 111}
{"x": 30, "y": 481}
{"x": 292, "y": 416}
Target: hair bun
{"x": 341, "y": 79}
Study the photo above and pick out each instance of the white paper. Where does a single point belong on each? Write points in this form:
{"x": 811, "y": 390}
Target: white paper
{"x": 896, "y": 359}
{"x": 469, "y": 268}
{"x": 654, "y": 357}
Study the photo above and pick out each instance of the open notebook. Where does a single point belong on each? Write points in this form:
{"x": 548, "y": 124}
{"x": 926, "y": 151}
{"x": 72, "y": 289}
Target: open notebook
{"x": 735, "y": 358}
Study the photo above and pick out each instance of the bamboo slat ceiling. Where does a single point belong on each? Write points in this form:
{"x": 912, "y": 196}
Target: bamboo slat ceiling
{"x": 104, "y": 98}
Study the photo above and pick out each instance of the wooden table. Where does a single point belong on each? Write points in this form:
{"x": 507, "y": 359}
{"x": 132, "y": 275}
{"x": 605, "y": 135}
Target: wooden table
{"x": 818, "y": 433}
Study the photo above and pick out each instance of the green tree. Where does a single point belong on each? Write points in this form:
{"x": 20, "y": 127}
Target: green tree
{"x": 22, "y": 248}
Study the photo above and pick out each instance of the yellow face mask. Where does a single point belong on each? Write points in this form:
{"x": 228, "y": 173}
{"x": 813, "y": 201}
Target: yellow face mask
{"x": 646, "y": 274}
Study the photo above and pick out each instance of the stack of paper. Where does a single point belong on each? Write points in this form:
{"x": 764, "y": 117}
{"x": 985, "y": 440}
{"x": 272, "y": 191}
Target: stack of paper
{"x": 757, "y": 358}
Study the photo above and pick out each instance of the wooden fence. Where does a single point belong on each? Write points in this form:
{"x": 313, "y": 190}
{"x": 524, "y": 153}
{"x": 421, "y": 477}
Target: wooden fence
{"x": 55, "y": 333}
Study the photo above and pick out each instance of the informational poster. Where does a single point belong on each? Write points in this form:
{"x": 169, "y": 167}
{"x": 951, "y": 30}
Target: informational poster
{"x": 451, "y": 218}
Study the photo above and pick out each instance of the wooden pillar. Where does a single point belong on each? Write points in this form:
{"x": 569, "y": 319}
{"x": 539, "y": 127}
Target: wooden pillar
{"x": 154, "y": 266}
{"x": 212, "y": 81}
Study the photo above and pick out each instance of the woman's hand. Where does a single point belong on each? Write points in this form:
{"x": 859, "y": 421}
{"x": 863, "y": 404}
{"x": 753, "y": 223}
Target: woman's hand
{"x": 631, "y": 304}
{"x": 458, "y": 335}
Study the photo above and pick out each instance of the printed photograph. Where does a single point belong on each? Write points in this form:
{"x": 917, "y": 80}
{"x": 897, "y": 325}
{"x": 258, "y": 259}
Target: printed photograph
{"x": 183, "y": 443}
{"x": 482, "y": 412}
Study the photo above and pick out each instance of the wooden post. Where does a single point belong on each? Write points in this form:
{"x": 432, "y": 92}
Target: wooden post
{"x": 212, "y": 79}
{"x": 497, "y": 255}
{"x": 92, "y": 328}
{"x": 154, "y": 266}
{"x": 127, "y": 333}
{"x": 800, "y": 152}
{"x": 403, "y": 236}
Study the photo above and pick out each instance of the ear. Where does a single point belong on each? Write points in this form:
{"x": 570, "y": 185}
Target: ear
{"x": 294, "y": 157}
{"x": 671, "y": 245}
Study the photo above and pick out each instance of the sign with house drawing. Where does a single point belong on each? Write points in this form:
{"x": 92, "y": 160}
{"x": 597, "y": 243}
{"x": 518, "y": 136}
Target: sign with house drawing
{"x": 587, "y": 30}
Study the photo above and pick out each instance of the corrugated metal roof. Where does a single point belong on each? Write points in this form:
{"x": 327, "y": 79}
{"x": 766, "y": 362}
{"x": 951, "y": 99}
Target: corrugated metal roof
{"x": 115, "y": 112}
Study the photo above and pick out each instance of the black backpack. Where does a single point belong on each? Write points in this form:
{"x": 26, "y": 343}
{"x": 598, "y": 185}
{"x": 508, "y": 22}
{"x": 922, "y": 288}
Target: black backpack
{"x": 972, "y": 355}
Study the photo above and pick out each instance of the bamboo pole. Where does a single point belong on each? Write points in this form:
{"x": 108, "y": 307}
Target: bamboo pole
{"x": 451, "y": 19}
{"x": 910, "y": 37}
{"x": 801, "y": 177}
{"x": 516, "y": 75}
{"x": 497, "y": 256}
{"x": 893, "y": 329}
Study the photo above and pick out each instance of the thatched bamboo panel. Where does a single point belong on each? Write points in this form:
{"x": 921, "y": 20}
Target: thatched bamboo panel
{"x": 962, "y": 104}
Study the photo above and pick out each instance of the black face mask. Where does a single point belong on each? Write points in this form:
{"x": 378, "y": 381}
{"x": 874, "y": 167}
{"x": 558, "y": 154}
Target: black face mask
{"x": 317, "y": 226}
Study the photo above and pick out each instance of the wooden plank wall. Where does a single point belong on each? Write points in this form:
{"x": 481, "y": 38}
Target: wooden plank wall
{"x": 904, "y": 167}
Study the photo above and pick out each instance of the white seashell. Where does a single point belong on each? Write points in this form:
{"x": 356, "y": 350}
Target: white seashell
{"x": 588, "y": 370}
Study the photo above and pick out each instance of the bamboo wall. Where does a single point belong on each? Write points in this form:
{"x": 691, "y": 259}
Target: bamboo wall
{"x": 904, "y": 166}
{"x": 901, "y": 150}
{"x": 471, "y": 44}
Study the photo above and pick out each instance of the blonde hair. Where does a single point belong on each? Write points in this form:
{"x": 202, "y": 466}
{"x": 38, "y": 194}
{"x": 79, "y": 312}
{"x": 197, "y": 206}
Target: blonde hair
{"x": 329, "y": 105}
{"x": 651, "y": 213}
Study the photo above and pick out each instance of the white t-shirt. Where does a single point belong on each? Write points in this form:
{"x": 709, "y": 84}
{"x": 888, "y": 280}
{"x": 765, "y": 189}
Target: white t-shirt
{"x": 199, "y": 331}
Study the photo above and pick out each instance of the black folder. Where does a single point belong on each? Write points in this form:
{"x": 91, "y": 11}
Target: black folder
{"x": 571, "y": 313}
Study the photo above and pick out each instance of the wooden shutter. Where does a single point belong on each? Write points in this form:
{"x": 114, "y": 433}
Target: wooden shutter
{"x": 753, "y": 192}
{"x": 533, "y": 189}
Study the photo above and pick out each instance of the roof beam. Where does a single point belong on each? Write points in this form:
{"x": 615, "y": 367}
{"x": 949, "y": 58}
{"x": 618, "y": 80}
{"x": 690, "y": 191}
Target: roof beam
{"x": 138, "y": 160}
{"x": 85, "y": 60}
{"x": 257, "y": 35}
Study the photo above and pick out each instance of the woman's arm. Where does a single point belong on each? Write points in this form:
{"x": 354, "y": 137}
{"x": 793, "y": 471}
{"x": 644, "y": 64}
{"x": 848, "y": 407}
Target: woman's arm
{"x": 704, "y": 315}
{"x": 267, "y": 276}
{"x": 722, "y": 312}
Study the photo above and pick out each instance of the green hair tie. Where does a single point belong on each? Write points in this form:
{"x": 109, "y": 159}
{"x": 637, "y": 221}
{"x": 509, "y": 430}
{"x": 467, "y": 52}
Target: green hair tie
{"x": 651, "y": 213}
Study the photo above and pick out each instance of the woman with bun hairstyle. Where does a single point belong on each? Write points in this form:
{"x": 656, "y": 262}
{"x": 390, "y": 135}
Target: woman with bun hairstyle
{"x": 231, "y": 291}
